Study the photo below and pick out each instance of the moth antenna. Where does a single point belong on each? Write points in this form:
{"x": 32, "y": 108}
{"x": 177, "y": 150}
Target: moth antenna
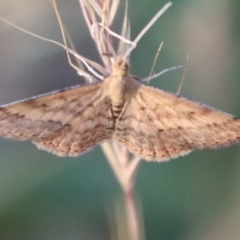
{"x": 155, "y": 59}
{"x": 147, "y": 27}
{"x": 85, "y": 62}
{"x": 183, "y": 76}
{"x": 156, "y": 75}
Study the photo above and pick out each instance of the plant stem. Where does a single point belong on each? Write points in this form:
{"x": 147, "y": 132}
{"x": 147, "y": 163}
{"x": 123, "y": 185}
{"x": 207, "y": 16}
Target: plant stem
{"x": 132, "y": 215}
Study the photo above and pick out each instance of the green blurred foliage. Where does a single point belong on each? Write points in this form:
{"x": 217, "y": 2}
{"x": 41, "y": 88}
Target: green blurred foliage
{"x": 194, "y": 197}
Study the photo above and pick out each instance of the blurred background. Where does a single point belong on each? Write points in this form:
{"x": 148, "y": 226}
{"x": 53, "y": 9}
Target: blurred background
{"x": 196, "y": 197}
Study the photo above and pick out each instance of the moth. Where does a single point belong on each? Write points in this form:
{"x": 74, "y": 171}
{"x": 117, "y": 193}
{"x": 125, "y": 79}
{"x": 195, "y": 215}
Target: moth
{"x": 151, "y": 123}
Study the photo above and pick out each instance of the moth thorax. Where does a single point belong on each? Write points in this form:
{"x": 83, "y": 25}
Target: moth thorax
{"x": 120, "y": 67}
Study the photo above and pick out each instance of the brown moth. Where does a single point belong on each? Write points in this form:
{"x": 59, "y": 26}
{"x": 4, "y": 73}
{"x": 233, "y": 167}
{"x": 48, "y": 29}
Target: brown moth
{"x": 151, "y": 123}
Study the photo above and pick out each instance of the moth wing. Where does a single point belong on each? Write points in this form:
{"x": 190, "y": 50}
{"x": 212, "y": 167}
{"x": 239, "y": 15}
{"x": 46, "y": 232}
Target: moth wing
{"x": 68, "y": 122}
{"x": 158, "y": 125}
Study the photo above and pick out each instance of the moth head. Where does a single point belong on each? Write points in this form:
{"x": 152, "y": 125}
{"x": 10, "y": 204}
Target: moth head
{"x": 121, "y": 66}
